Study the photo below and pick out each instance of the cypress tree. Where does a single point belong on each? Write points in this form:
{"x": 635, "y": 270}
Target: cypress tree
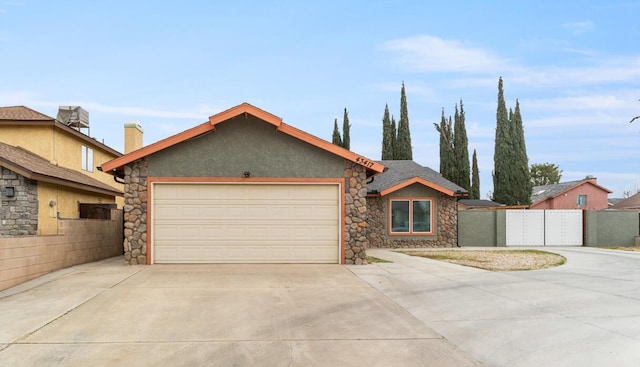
{"x": 336, "y": 139}
{"x": 394, "y": 137}
{"x": 503, "y": 154}
{"x": 474, "y": 192}
{"x": 446, "y": 147}
{"x": 403, "y": 150}
{"x": 461, "y": 149}
{"x": 522, "y": 175}
{"x": 346, "y": 140}
{"x": 387, "y": 136}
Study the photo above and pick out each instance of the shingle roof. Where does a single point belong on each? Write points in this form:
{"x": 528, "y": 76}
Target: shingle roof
{"x": 399, "y": 172}
{"x": 22, "y": 113}
{"x": 543, "y": 192}
{"x": 479, "y": 203}
{"x": 37, "y": 168}
{"x": 632, "y": 202}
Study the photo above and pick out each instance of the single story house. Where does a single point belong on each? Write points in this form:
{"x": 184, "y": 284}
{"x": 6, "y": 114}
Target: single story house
{"x": 412, "y": 206}
{"x": 580, "y": 194}
{"x": 245, "y": 187}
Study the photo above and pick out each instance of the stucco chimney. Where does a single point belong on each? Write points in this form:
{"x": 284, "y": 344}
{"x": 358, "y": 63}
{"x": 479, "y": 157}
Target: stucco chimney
{"x": 132, "y": 136}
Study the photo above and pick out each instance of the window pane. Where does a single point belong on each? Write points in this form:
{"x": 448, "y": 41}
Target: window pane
{"x": 89, "y": 159}
{"x": 421, "y": 216}
{"x": 399, "y": 216}
{"x": 84, "y": 158}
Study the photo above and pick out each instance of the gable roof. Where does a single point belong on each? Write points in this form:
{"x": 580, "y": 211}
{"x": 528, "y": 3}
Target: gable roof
{"x": 632, "y": 202}
{"x": 22, "y": 113}
{"x": 400, "y": 174}
{"x": 23, "y": 116}
{"x": 116, "y": 166}
{"x": 544, "y": 192}
{"x": 36, "y": 168}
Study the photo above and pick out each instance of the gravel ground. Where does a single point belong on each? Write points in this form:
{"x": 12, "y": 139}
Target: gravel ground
{"x": 495, "y": 260}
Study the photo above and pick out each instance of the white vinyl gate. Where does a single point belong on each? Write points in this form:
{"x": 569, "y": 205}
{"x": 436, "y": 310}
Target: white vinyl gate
{"x": 544, "y": 228}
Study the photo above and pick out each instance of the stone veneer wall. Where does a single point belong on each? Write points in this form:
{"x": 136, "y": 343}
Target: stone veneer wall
{"x": 447, "y": 231}
{"x": 18, "y": 214}
{"x": 135, "y": 212}
{"x": 355, "y": 226}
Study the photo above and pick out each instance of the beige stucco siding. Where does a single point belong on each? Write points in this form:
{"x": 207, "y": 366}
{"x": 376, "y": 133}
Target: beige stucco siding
{"x": 65, "y": 202}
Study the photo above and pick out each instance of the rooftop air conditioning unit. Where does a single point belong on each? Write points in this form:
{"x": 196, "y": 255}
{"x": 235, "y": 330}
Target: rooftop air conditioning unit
{"x": 73, "y": 116}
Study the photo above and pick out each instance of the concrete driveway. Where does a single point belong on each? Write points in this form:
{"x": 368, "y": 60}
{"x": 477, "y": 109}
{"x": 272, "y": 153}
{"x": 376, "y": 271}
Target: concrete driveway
{"x": 584, "y": 313}
{"x": 107, "y": 314}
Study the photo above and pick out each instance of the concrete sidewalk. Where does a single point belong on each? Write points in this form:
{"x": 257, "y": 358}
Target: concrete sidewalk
{"x": 105, "y": 313}
{"x": 584, "y": 313}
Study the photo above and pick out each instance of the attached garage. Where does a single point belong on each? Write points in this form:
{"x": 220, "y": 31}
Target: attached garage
{"x": 246, "y": 223}
{"x": 244, "y": 187}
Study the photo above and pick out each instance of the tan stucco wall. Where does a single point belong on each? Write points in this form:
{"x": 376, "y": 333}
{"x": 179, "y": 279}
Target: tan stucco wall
{"x": 66, "y": 203}
{"x": 61, "y": 148}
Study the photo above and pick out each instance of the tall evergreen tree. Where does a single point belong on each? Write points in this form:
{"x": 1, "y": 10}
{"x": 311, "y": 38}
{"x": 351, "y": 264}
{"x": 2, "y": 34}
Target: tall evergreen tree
{"x": 336, "y": 139}
{"x": 387, "y": 137}
{"x": 461, "y": 149}
{"x": 474, "y": 192}
{"x": 503, "y": 154}
{"x": 346, "y": 140}
{"x": 394, "y": 137}
{"x": 403, "y": 150}
{"x": 522, "y": 176}
{"x": 447, "y": 166}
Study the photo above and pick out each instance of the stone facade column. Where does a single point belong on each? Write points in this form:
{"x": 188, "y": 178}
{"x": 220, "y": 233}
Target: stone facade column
{"x": 19, "y": 213}
{"x": 135, "y": 212}
{"x": 355, "y": 221}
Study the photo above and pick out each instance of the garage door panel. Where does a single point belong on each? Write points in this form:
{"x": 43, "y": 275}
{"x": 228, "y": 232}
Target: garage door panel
{"x": 246, "y": 223}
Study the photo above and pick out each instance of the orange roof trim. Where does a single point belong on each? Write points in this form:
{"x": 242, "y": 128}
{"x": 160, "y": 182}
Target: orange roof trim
{"x": 115, "y": 166}
{"x": 421, "y": 181}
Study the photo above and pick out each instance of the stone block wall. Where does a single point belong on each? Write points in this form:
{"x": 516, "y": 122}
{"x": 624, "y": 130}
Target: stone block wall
{"x": 18, "y": 214}
{"x": 446, "y": 226}
{"x": 135, "y": 212}
{"x": 355, "y": 227}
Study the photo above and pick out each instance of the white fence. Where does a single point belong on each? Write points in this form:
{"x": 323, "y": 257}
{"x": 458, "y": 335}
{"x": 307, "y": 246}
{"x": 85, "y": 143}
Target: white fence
{"x": 544, "y": 228}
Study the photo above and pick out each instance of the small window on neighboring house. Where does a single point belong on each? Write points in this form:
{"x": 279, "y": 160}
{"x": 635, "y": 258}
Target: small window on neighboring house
{"x": 87, "y": 159}
{"x": 582, "y": 200}
{"x": 410, "y": 216}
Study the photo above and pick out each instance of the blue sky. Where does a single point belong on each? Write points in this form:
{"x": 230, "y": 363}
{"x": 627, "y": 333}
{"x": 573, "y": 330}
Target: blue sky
{"x": 573, "y": 65}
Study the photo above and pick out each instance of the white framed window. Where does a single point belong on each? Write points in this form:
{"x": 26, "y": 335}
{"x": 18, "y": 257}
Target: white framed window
{"x": 87, "y": 159}
{"x": 410, "y": 216}
{"x": 581, "y": 200}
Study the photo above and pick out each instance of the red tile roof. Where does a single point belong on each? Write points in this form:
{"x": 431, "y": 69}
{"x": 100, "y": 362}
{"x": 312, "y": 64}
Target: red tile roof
{"x": 22, "y": 113}
{"x": 34, "y": 167}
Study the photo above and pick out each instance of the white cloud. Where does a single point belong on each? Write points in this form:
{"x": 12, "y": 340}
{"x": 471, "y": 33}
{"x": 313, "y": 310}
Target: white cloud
{"x": 433, "y": 54}
{"x": 579, "y": 27}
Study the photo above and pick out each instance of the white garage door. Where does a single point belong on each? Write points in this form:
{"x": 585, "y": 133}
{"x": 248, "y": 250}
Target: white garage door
{"x": 246, "y": 223}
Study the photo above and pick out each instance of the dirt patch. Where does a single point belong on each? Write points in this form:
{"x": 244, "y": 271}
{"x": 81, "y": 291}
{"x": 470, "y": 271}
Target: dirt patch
{"x": 495, "y": 260}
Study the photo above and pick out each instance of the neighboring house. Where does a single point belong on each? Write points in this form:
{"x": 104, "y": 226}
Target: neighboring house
{"x": 62, "y": 144}
{"x": 412, "y": 206}
{"x": 582, "y": 194}
{"x": 244, "y": 187}
{"x": 34, "y": 193}
{"x": 630, "y": 203}
{"x": 63, "y": 147}
{"x": 472, "y": 204}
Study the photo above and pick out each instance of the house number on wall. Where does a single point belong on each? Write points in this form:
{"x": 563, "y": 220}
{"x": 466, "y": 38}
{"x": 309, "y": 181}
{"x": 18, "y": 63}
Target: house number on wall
{"x": 364, "y": 162}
